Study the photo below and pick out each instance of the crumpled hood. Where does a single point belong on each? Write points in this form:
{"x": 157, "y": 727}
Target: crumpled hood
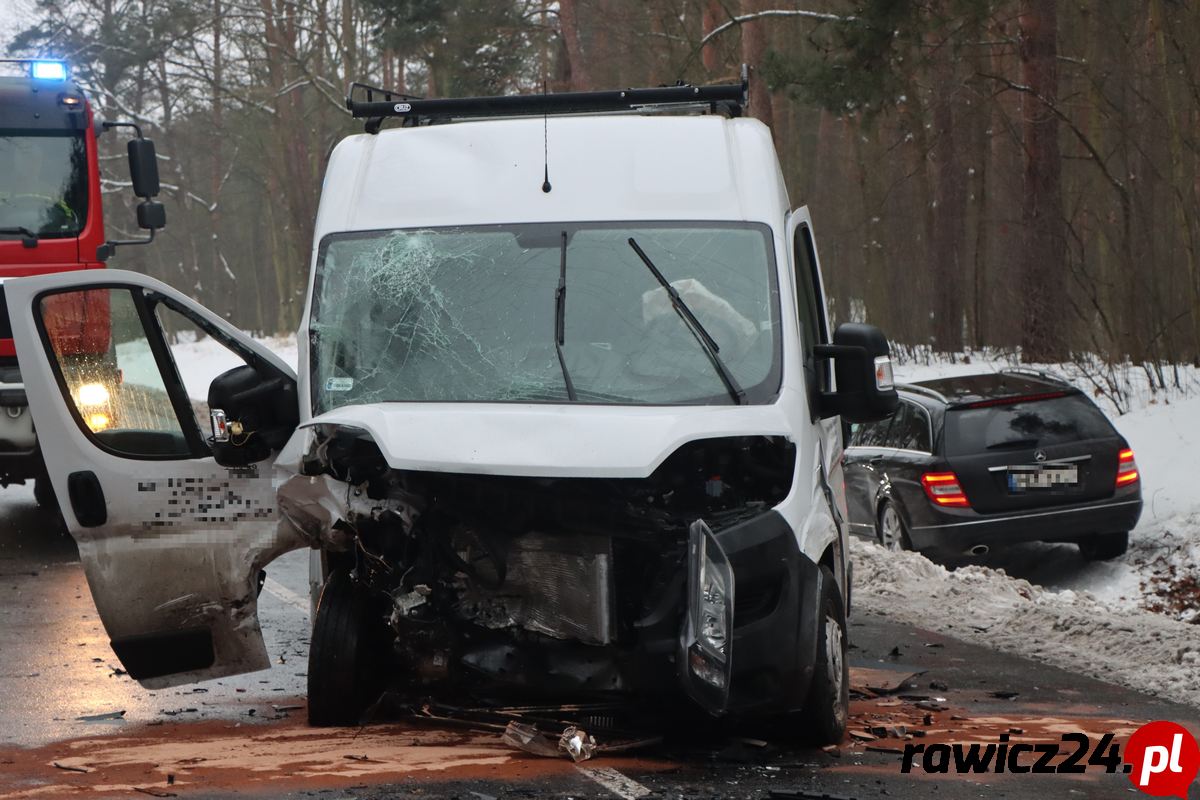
{"x": 582, "y": 441}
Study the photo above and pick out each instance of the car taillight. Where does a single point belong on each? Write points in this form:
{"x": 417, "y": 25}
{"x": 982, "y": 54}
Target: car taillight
{"x": 944, "y": 489}
{"x": 1127, "y": 471}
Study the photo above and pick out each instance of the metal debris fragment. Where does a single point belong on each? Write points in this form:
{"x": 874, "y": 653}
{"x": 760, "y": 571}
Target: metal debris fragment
{"x": 530, "y": 739}
{"x": 573, "y": 742}
{"x": 577, "y": 744}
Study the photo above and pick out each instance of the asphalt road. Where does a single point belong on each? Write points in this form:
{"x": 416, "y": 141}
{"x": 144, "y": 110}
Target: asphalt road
{"x": 246, "y": 736}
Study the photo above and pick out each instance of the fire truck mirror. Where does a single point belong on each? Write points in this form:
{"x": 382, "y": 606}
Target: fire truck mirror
{"x": 143, "y": 170}
{"x": 151, "y": 215}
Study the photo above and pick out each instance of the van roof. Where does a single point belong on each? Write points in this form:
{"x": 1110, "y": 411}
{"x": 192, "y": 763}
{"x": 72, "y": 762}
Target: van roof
{"x": 602, "y": 167}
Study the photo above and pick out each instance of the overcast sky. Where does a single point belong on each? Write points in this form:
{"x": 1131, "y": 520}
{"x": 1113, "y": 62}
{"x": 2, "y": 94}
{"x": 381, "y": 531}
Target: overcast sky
{"x": 14, "y": 15}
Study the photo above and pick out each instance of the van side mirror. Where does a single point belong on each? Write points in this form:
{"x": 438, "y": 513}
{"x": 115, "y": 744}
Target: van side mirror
{"x": 253, "y": 415}
{"x": 143, "y": 168}
{"x": 866, "y": 389}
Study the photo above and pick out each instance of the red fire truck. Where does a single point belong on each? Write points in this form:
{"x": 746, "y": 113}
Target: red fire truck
{"x": 51, "y": 220}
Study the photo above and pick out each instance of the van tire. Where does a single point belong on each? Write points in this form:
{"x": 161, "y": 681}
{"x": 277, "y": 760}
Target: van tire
{"x": 345, "y": 668}
{"x": 827, "y": 708}
{"x": 1104, "y": 546}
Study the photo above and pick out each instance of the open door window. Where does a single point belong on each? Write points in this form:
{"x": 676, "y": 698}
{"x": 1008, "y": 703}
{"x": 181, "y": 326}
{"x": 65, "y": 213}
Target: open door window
{"x": 171, "y": 542}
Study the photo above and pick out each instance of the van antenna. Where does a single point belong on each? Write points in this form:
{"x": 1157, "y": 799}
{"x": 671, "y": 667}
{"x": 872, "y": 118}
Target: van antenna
{"x": 545, "y": 145}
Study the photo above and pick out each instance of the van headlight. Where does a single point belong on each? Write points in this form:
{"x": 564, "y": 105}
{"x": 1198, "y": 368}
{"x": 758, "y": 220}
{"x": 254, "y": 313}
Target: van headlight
{"x": 710, "y": 617}
{"x": 91, "y": 395}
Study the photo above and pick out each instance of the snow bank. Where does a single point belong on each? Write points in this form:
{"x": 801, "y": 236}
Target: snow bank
{"x": 1073, "y": 630}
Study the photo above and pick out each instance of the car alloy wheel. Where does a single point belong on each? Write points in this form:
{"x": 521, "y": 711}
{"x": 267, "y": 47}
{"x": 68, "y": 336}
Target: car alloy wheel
{"x": 891, "y": 529}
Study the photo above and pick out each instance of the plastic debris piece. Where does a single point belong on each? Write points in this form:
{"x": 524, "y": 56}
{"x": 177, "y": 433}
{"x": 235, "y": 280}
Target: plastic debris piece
{"x": 577, "y": 744}
{"x": 102, "y": 717}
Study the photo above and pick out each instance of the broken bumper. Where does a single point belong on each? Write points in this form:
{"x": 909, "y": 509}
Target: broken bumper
{"x": 771, "y": 646}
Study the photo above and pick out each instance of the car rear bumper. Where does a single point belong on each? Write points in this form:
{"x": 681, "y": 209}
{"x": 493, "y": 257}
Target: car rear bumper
{"x": 958, "y": 531}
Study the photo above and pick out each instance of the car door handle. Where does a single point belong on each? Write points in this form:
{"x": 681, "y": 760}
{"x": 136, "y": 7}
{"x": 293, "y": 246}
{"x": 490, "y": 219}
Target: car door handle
{"x": 875, "y": 461}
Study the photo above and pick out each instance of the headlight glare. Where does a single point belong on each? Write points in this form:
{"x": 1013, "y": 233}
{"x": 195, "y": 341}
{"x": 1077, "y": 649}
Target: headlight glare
{"x": 90, "y": 395}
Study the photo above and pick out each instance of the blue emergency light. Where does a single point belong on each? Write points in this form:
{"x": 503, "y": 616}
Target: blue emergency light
{"x": 49, "y": 70}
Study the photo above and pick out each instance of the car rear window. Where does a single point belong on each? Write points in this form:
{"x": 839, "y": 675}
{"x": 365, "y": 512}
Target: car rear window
{"x": 1036, "y": 423}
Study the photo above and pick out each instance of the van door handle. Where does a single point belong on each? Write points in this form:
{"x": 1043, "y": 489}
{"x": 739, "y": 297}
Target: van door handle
{"x": 875, "y": 461}
{"x": 87, "y": 499}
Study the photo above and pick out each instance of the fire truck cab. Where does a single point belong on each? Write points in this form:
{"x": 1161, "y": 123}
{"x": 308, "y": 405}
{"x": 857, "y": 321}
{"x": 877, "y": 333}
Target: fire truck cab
{"x": 51, "y": 221}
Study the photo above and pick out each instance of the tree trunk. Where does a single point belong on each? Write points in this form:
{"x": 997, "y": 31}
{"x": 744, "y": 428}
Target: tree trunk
{"x": 1043, "y": 244}
{"x": 568, "y": 20}
{"x": 712, "y": 16}
{"x": 754, "y": 51}
{"x": 950, "y": 197}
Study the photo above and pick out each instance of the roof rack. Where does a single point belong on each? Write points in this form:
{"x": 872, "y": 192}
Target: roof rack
{"x": 925, "y": 390}
{"x": 376, "y": 104}
{"x": 1036, "y": 373}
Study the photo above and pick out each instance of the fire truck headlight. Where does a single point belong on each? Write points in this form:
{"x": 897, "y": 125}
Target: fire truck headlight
{"x": 49, "y": 70}
{"x": 91, "y": 395}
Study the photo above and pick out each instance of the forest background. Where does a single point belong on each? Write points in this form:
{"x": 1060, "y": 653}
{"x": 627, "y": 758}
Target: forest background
{"x": 982, "y": 173}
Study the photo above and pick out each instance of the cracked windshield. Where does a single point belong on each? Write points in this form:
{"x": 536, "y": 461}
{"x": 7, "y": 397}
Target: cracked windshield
{"x": 471, "y": 314}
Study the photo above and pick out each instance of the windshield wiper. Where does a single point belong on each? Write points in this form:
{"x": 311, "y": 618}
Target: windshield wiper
{"x": 560, "y": 317}
{"x": 702, "y": 336}
{"x": 28, "y": 237}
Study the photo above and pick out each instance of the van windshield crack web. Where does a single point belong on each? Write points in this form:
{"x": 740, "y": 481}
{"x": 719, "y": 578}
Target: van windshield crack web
{"x": 469, "y": 315}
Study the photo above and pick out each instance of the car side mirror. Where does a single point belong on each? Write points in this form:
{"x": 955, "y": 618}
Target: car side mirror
{"x": 866, "y": 388}
{"x": 143, "y": 168}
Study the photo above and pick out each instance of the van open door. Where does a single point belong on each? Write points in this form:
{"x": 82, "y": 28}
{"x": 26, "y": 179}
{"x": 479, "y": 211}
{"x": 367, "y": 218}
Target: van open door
{"x": 172, "y": 543}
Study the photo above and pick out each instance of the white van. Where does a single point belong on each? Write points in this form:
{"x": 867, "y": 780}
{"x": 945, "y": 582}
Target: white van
{"x": 567, "y": 419}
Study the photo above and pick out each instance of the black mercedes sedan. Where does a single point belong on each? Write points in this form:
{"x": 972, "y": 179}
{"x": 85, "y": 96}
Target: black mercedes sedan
{"x": 975, "y": 462}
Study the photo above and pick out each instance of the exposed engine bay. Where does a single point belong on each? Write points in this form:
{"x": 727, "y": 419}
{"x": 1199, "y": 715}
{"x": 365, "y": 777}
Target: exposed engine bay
{"x": 550, "y": 583}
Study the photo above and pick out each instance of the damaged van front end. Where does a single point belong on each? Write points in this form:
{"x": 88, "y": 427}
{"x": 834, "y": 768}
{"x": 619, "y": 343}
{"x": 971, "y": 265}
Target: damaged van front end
{"x": 682, "y": 577}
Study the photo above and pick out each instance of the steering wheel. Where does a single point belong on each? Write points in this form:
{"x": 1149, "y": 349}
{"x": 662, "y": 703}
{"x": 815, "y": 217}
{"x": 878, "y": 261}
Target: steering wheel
{"x": 35, "y": 203}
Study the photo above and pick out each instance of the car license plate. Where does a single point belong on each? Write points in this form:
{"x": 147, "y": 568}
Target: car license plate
{"x": 1036, "y": 476}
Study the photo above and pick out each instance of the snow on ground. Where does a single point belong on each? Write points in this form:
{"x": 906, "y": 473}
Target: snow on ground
{"x": 1073, "y": 630}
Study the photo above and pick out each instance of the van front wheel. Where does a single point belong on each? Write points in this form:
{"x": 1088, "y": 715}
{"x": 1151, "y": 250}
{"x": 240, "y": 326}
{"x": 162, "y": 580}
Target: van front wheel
{"x": 828, "y": 705}
{"x": 345, "y": 663}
